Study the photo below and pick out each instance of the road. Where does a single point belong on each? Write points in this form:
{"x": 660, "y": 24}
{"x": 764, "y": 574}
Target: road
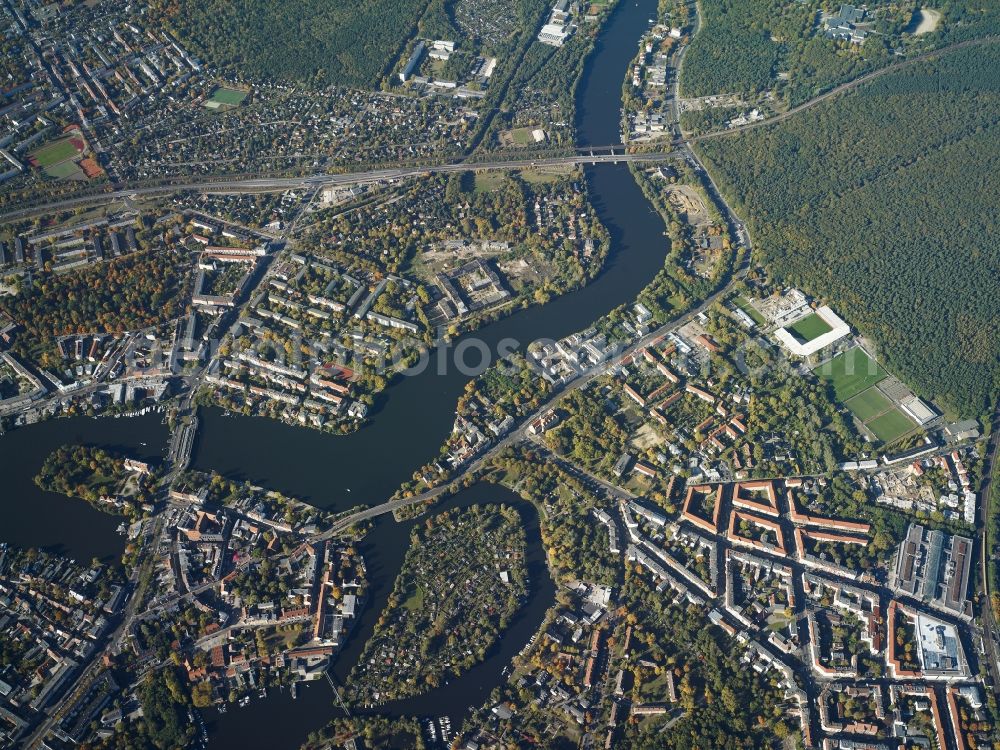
{"x": 836, "y": 91}
{"x": 113, "y": 645}
{"x": 988, "y": 619}
{"x": 739, "y": 230}
{"x": 589, "y": 155}
{"x": 177, "y": 460}
{"x": 521, "y": 433}
{"x": 595, "y": 155}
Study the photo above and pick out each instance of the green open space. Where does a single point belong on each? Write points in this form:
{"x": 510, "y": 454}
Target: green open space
{"x": 914, "y": 153}
{"x": 868, "y": 404}
{"x": 486, "y": 182}
{"x": 850, "y": 373}
{"x": 810, "y": 327}
{"x": 546, "y": 175}
{"x": 744, "y": 304}
{"x": 65, "y": 170}
{"x": 229, "y": 97}
{"x": 54, "y": 153}
{"x": 523, "y": 136}
{"x": 890, "y": 426}
{"x": 415, "y": 601}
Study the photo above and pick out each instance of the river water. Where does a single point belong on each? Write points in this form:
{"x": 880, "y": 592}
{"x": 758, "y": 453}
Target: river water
{"x": 417, "y": 415}
{"x": 278, "y": 721}
{"x": 56, "y": 523}
{"x": 337, "y": 472}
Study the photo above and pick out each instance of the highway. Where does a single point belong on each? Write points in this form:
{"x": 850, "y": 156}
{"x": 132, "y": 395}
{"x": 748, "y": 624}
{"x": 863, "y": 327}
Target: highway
{"x": 594, "y": 155}
{"x": 183, "y": 438}
{"x": 612, "y": 153}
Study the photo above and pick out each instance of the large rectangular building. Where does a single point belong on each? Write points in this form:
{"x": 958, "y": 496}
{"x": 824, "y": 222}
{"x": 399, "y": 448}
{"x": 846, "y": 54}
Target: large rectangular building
{"x": 934, "y": 567}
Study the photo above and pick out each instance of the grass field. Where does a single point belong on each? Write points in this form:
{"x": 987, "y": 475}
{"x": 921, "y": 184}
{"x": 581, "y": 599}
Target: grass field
{"x": 65, "y": 170}
{"x": 868, "y": 404}
{"x": 744, "y": 304}
{"x": 230, "y": 97}
{"x": 810, "y": 327}
{"x": 54, "y": 153}
{"x": 415, "y": 601}
{"x": 850, "y": 373}
{"x": 488, "y": 181}
{"x": 523, "y": 136}
{"x": 545, "y": 175}
{"x": 890, "y": 426}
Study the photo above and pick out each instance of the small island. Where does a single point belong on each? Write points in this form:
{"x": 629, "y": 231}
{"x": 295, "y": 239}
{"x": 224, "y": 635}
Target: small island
{"x": 463, "y": 579}
{"x": 108, "y": 481}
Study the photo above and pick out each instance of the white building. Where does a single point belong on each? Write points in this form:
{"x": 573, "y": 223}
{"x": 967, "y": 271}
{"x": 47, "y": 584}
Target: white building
{"x": 838, "y": 330}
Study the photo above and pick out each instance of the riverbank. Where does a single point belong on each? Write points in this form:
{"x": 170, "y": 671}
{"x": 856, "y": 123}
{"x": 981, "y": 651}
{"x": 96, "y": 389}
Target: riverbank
{"x": 408, "y": 432}
{"x": 383, "y": 550}
{"x": 54, "y": 522}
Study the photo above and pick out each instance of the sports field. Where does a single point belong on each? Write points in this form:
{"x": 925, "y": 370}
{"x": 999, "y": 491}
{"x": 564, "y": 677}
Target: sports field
{"x": 850, "y": 373}
{"x": 868, "y": 404}
{"x": 222, "y": 95}
{"x": 53, "y": 153}
{"x": 744, "y": 304}
{"x": 225, "y": 98}
{"x": 66, "y": 170}
{"x": 890, "y": 426}
{"x": 810, "y": 327}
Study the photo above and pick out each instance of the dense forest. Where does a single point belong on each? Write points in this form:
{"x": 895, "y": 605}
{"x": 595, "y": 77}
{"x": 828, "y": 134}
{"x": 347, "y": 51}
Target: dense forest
{"x": 349, "y": 43}
{"x": 875, "y": 201}
{"x": 732, "y": 53}
{"x": 751, "y": 46}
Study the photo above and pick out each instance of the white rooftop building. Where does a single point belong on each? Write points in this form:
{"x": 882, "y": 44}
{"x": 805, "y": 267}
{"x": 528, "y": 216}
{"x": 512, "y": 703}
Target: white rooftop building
{"x": 838, "y": 330}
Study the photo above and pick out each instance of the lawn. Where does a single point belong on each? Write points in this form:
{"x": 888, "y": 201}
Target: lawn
{"x": 868, "y": 404}
{"x": 415, "y": 601}
{"x": 890, "y": 426}
{"x": 850, "y": 373}
{"x": 744, "y": 304}
{"x": 487, "y": 182}
{"x": 65, "y": 170}
{"x": 54, "y": 153}
{"x": 810, "y": 327}
{"x": 230, "y": 97}
{"x": 546, "y": 175}
{"x": 523, "y": 136}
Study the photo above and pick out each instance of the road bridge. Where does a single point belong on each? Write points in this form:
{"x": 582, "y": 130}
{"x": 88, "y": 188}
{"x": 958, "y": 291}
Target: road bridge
{"x": 235, "y": 184}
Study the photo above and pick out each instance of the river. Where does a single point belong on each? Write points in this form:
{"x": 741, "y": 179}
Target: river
{"x": 366, "y": 467}
{"x": 409, "y": 425}
{"x": 418, "y": 416}
{"x": 281, "y": 722}
{"x": 54, "y": 522}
